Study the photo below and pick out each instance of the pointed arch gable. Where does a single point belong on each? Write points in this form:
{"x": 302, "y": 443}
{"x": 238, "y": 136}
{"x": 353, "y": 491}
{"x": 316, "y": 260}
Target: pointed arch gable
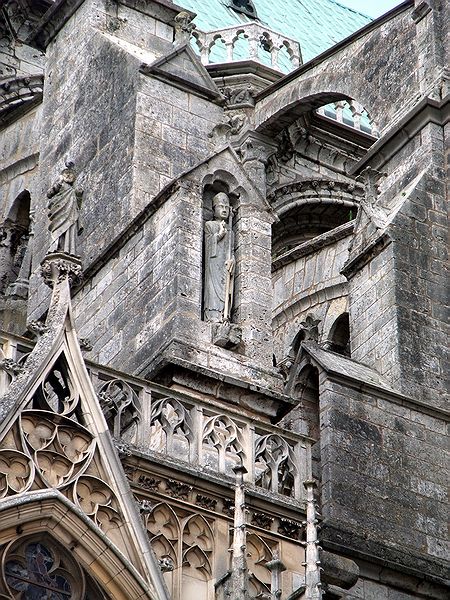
{"x": 100, "y": 489}
{"x": 50, "y": 512}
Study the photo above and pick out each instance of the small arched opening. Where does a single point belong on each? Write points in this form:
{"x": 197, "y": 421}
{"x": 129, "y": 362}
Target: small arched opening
{"x": 339, "y": 337}
{"x": 14, "y": 237}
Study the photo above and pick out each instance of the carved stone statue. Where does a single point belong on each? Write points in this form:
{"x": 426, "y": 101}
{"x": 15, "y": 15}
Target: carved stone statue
{"x": 219, "y": 262}
{"x": 63, "y": 212}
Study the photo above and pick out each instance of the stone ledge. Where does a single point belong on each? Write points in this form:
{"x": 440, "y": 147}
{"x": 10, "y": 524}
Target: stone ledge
{"x": 339, "y": 539}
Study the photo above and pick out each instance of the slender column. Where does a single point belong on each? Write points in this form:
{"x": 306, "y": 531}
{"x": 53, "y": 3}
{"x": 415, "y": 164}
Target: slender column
{"x": 313, "y": 586}
{"x": 239, "y": 570}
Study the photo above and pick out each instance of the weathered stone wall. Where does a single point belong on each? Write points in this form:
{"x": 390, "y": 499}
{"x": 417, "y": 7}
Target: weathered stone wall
{"x": 157, "y": 279}
{"x": 373, "y": 312}
{"x": 19, "y": 154}
{"x": 383, "y": 478}
{"x": 128, "y": 134}
{"x": 309, "y": 285}
{"x": 172, "y": 127}
{"x": 397, "y": 300}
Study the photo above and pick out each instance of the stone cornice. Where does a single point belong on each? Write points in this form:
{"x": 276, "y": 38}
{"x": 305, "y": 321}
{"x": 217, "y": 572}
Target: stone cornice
{"x": 424, "y": 112}
{"x": 19, "y": 93}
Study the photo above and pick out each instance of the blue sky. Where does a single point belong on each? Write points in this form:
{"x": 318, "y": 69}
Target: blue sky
{"x": 372, "y": 8}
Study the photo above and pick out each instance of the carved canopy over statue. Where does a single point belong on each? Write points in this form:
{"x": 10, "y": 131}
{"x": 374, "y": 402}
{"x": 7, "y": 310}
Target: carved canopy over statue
{"x": 63, "y": 212}
{"x": 219, "y": 262}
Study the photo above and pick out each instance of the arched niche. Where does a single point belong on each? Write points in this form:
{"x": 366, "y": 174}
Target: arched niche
{"x": 339, "y": 337}
{"x": 215, "y": 184}
{"x": 14, "y": 237}
{"x": 308, "y": 208}
{"x": 306, "y": 391}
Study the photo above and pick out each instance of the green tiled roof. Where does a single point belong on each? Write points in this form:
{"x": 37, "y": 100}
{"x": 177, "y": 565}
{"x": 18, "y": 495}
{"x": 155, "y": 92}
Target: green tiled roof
{"x": 315, "y": 24}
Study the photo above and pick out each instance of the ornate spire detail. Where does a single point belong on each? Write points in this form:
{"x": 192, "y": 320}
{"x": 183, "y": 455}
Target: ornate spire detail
{"x": 313, "y": 586}
{"x": 276, "y": 567}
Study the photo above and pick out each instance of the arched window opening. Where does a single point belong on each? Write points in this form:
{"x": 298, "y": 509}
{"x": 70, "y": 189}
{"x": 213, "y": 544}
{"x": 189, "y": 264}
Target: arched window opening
{"x": 339, "y": 338}
{"x": 14, "y": 236}
{"x": 306, "y": 390}
{"x": 38, "y": 567}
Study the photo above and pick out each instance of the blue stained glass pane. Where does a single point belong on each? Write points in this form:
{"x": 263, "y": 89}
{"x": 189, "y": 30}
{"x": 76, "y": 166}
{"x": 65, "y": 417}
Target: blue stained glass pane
{"x": 34, "y": 579}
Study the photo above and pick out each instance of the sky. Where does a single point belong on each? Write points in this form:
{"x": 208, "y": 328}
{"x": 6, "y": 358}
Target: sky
{"x": 372, "y": 8}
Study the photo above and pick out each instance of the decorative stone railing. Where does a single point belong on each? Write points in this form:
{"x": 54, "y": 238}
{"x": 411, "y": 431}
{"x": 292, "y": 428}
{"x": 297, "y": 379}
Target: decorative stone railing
{"x": 249, "y": 41}
{"x": 204, "y": 436}
{"x": 350, "y": 113}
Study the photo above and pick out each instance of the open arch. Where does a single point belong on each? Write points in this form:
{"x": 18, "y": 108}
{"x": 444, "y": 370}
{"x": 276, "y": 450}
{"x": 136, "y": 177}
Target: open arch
{"x": 14, "y": 238}
{"x": 339, "y": 336}
{"x": 350, "y": 70}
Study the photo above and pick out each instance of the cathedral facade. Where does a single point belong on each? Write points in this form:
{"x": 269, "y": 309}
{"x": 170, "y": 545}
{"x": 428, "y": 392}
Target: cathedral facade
{"x": 223, "y": 351}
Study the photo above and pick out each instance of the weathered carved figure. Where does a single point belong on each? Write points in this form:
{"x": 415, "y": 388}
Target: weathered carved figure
{"x": 219, "y": 262}
{"x": 63, "y": 212}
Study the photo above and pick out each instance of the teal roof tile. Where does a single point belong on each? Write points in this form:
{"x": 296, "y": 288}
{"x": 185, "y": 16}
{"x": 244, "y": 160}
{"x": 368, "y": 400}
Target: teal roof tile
{"x": 315, "y": 24}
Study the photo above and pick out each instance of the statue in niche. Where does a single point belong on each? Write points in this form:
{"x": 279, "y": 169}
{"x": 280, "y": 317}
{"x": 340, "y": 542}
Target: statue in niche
{"x": 63, "y": 212}
{"x": 219, "y": 262}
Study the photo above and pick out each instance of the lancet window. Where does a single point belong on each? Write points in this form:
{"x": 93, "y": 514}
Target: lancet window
{"x": 38, "y": 568}
{"x": 222, "y": 444}
{"x": 274, "y": 465}
{"x": 171, "y": 428}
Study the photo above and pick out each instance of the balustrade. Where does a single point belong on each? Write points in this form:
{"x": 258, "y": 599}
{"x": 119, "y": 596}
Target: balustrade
{"x": 350, "y": 113}
{"x": 164, "y": 422}
{"x": 249, "y": 41}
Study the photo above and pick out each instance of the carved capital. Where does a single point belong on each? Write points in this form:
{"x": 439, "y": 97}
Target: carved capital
{"x": 239, "y": 96}
{"x": 59, "y": 266}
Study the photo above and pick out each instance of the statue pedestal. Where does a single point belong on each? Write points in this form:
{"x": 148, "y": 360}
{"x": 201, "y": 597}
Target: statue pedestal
{"x": 61, "y": 265}
{"x": 226, "y": 335}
